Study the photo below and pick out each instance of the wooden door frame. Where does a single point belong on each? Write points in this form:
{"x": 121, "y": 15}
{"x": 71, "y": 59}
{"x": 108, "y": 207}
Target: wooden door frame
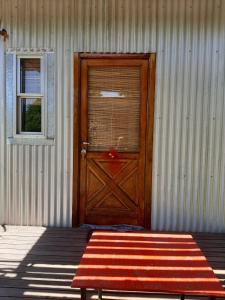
{"x": 149, "y": 131}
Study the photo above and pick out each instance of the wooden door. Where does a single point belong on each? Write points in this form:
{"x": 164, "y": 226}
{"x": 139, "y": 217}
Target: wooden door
{"x": 113, "y": 122}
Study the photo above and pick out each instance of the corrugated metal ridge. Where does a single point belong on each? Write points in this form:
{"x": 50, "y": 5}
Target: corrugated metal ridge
{"x": 189, "y": 144}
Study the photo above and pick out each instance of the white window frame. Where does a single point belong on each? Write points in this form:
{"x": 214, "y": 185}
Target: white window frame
{"x": 17, "y": 111}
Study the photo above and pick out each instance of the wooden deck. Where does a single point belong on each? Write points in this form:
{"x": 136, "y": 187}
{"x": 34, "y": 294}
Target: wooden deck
{"x": 39, "y": 263}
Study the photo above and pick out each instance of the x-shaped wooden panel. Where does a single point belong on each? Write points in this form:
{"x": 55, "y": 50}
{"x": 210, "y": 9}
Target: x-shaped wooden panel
{"x": 111, "y": 186}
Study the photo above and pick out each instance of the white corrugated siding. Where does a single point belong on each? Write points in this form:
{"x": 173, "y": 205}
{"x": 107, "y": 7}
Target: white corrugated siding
{"x": 2, "y": 131}
{"x": 189, "y": 137}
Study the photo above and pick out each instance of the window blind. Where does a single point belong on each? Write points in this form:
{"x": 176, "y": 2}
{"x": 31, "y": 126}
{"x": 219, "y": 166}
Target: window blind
{"x": 114, "y": 108}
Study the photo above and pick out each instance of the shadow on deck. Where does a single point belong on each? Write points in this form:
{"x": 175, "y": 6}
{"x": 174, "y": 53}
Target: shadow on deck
{"x": 39, "y": 263}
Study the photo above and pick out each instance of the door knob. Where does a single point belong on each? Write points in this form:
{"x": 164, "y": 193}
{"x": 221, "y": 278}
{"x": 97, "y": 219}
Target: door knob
{"x": 83, "y": 153}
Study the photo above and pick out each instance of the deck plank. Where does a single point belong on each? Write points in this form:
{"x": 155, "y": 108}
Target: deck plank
{"x": 39, "y": 263}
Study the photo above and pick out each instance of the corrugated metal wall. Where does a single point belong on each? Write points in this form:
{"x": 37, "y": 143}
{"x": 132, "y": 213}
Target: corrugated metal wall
{"x": 2, "y": 131}
{"x": 189, "y": 137}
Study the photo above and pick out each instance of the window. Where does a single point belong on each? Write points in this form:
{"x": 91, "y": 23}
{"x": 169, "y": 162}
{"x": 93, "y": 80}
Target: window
{"x": 29, "y": 98}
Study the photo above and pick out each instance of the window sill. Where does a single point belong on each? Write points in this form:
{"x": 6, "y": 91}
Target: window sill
{"x": 30, "y": 141}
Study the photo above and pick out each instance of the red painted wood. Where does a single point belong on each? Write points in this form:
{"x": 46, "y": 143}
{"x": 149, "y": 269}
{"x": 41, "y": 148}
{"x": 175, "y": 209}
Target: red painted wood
{"x": 147, "y": 262}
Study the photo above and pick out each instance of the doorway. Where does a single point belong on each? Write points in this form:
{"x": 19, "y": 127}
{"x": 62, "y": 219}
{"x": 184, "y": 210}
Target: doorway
{"x": 114, "y": 105}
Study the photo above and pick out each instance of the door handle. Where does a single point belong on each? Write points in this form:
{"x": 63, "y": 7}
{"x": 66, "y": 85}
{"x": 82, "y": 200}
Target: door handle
{"x": 83, "y": 153}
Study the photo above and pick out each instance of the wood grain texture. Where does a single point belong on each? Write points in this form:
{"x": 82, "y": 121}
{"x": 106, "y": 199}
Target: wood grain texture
{"x": 83, "y": 139}
{"x": 76, "y": 126}
{"x": 115, "y": 55}
{"x": 112, "y": 191}
{"x": 147, "y": 63}
{"x": 149, "y": 139}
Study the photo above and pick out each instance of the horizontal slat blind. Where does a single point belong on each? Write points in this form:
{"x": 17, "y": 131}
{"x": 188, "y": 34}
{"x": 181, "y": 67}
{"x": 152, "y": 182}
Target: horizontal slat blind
{"x": 30, "y": 75}
{"x": 114, "y": 108}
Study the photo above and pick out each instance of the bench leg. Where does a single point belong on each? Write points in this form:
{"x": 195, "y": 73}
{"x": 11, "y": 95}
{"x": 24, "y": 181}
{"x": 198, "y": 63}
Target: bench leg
{"x": 182, "y": 297}
{"x": 99, "y": 294}
{"x": 83, "y": 294}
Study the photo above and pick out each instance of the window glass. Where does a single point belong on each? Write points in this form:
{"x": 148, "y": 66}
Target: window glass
{"x": 30, "y": 112}
{"x": 30, "y": 79}
{"x": 114, "y": 108}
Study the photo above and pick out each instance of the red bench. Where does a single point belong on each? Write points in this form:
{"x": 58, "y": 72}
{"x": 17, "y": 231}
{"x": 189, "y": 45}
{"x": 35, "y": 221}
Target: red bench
{"x": 146, "y": 262}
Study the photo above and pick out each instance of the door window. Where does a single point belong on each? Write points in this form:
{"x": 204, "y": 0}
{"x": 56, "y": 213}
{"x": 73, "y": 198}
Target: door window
{"x": 114, "y": 108}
